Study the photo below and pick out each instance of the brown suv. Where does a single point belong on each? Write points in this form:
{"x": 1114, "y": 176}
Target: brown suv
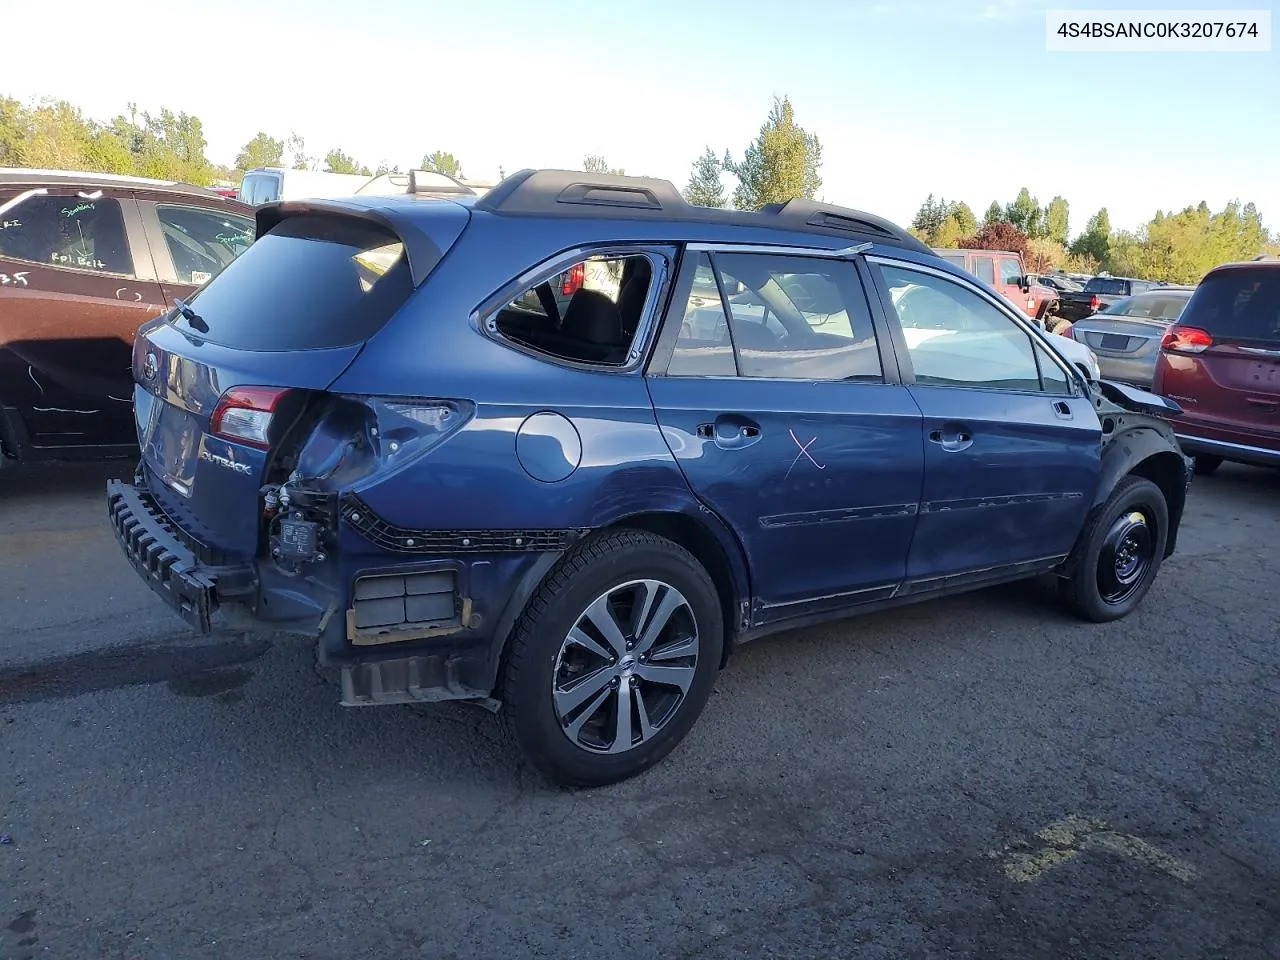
{"x": 1221, "y": 363}
{"x": 84, "y": 260}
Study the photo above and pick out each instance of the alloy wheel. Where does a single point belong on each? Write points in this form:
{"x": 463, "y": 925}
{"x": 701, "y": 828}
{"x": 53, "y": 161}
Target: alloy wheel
{"x": 623, "y": 671}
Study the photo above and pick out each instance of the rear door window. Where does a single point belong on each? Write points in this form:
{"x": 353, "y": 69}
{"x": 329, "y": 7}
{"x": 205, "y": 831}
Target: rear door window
{"x": 1239, "y": 304}
{"x": 984, "y": 269}
{"x": 312, "y": 282}
{"x": 202, "y": 241}
{"x": 69, "y": 232}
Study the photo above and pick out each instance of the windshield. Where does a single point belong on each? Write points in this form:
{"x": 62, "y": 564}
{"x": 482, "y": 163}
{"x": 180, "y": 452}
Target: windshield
{"x": 1238, "y": 304}
{"x": 1150, "y": 306}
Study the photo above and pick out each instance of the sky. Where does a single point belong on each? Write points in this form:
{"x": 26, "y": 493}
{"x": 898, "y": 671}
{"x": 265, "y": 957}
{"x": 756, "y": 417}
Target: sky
{"x": 957, "y": 98}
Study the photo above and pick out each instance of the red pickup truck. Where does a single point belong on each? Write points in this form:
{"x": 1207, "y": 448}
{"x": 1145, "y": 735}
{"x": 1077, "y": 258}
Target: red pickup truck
{"x": 1005, "y": 271}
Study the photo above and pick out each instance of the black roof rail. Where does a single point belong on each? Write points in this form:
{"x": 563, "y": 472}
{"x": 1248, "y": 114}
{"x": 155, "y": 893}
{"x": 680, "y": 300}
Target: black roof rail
{"x": 801, "y": 214}
{"x": 552, "y": 192}
{"x": 544, "y": 191}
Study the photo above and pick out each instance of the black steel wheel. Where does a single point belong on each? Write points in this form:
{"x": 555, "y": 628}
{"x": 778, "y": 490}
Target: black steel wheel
{"x": 1125, "y": 557}
{"x": 1118, "y": 553}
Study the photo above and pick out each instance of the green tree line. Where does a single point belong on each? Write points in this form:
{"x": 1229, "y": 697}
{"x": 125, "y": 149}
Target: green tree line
{"x": 783, "y": 161}
{"x": 1176, "y": 247}
{"x": 56, "y": 134}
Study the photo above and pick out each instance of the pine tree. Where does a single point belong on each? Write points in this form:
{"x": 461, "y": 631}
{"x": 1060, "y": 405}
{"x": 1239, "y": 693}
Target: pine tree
{"x": 705, "y": 188}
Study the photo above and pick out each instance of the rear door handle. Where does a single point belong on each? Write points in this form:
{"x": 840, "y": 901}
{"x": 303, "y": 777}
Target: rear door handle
{"x": 952, "y": 439}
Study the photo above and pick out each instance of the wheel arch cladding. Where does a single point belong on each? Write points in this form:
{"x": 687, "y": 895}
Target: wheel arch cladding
{"x": 696, "y": 536}
{"x": 1168, "y": 471}
{"x": 1143, "y": 451}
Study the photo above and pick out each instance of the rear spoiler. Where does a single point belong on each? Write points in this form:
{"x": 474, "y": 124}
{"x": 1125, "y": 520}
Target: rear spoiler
{"x": 422, "y": 251}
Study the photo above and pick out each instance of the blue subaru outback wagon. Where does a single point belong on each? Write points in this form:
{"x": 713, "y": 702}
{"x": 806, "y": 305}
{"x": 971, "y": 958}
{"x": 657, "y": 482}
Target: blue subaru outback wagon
{"x": 392, "y": 426}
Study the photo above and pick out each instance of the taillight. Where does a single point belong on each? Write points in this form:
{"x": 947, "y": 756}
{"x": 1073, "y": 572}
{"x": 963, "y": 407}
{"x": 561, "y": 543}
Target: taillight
{"x": 1094, "y": 303}
{"x": 243, "y": 414}
{"x": 1186, "y": 340}
{"x": 574, "y": 279}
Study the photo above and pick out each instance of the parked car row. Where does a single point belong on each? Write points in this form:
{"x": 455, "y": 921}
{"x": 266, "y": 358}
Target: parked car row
{"x": 269, "y": 184}
{"x": 1098, "y": 293}
{"x": 1126, "y": 335}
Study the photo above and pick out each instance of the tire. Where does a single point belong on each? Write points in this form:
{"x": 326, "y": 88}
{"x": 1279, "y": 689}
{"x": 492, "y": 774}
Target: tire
{"x": 551, "y": 686}
{"x": 1205, "y": 465}
{"x": 1104, "y": 587}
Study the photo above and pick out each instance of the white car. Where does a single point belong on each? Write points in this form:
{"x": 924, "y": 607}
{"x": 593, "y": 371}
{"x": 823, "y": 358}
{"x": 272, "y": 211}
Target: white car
{"x": 1077, "y": 353}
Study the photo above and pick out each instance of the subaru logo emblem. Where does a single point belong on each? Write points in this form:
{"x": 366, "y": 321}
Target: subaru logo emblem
{"x": 150, "y": 367}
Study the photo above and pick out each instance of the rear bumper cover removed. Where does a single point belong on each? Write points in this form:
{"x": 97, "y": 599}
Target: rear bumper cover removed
{"x": 458, "y": 605}
{"x": 159, "y": 555}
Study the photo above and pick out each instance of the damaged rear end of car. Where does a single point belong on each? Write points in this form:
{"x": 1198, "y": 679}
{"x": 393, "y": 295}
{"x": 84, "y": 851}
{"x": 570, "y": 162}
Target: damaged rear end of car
{"x": 246, "y": 499}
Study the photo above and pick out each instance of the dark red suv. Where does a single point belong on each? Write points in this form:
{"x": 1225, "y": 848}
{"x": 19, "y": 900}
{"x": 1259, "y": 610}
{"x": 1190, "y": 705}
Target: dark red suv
{"x": 1221, "y": 363}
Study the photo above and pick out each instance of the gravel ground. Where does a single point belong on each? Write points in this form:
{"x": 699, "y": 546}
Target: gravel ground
{"x": 976, "y": 777}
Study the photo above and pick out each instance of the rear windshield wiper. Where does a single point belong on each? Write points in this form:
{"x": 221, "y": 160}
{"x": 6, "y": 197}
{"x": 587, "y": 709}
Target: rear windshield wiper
{"x": 194, "y": 319}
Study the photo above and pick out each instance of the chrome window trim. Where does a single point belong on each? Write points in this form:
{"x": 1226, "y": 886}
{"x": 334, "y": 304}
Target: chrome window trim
{"x": 1019, "y": 319}
{"x": 778, "y": 249}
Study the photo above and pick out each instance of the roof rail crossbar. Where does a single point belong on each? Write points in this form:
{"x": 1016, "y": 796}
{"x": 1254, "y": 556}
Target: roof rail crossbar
{"x": 546, "y": 192}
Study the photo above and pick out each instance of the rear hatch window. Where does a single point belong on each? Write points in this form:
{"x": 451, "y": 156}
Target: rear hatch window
{"x": 1107, "y": 287}
{"x": 312, "y": 282}
{"x": 1240, "y": 305}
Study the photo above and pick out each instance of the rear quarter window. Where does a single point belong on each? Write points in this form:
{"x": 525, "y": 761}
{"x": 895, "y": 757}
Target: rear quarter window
{"x": 1241, "y": 304}
{"x": 312, "y": 282}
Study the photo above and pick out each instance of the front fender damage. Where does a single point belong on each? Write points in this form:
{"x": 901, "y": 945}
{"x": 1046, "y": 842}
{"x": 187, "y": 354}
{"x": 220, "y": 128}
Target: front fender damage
{"x": 1137, "y": 440}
